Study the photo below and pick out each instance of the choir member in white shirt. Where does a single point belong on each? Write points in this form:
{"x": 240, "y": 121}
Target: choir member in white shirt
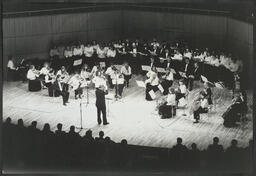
{"x": 127, "y": 72}
{"x": 187, "y": 54}
{"x": 32, "y": 75}
{"x": 75, "y": 81}
{"x": 101, "y": 53}
{"x": 95, "y": 46}
{"x": 167, "y": 81}
{"x": 177, "y": 56}
{"x": 78, "y": 52}
{"x": 111, "y": 54}
{"x": 54, "y": 54}
{"x": 203, "y": 106}
{"x": 68, "y": 53}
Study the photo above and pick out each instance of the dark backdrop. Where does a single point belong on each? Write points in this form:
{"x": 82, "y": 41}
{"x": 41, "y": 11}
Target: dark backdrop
{"x": 32, "y": 36}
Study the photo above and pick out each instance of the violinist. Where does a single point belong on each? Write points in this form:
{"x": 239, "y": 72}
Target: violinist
{"x": 110, "y": 74}
{"x": 75, "y": 82}
{"x": 203, "y": 106}
{"x": 64, "y": 77}
{"x": 167, "y": 81}
{"x": 168, "y": 109}
{"x": 127, "y": 72}
{"x": 118, "y": 81}
{"x": 49, "y": 80}
{"x": 43, "y": 72}
{"x": 151, "y": 83}
{"x": 33, "y": 83}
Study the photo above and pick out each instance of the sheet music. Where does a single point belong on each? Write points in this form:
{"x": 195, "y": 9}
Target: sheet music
{"x": 145, "y": 68}
{"x": 160, "y": 87}
{"x": 140, "y": 83}
{"x": 152, "y": 94}
{"x": 161, "y": 70}
{"x": 77, "y": 62}
{"x": 183, "y": 74}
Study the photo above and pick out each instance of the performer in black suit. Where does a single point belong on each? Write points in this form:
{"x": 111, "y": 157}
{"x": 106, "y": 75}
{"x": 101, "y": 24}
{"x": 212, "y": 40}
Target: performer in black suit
{"x": 57, "y": 86}
{"x": 189, "y": 70}
{"x": 100, "y": 92}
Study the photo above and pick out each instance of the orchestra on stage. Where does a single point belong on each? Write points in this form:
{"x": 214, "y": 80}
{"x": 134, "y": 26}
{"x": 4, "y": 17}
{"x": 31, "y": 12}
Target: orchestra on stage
{"x": 111, "y": 66}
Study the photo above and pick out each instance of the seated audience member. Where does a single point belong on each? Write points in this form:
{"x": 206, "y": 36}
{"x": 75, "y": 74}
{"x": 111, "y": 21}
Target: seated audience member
{"x": 101, "y": 138}
{"x": 179, "y": 153}
{"x": 233, "y": 152}
{"x": 87, "y": 138}
{"x": 194, "y": 156}
{"x": 127, "y": 72}
{"x": 54, "y": 54}
{"x": 101, "y": 53}
{"x": 215, "y": 152}
{"x": 78, "y": 52}
{"x": 203, "y": 106}
{"x": 11, "y": 70}
{"x": 33, "y": 83}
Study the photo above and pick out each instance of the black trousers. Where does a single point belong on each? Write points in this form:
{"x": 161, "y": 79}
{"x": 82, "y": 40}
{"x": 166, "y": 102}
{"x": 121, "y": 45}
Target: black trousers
{"x": 101, "y": 109}
{"x": 110, "y": 82}
{"x": 166, "y": 84}
{"x": 65, "y": 96}
{"x": 127, "y": 79}
{"x": 199, "y": 111}
{"x": 78, "y": 92}
{"x": 120, "y": 88}
{"x": 189, "y": 83}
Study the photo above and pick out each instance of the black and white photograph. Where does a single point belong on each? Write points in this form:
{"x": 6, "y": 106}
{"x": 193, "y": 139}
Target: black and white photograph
{"x": 151, "y": 86}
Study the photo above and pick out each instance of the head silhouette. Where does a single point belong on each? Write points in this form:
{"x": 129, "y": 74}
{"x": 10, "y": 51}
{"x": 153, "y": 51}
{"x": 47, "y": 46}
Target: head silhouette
{"x": 20, "y": 122}
{"x": 101, "y": 134}
{"x": 8, "y": 120}
{"x": 59, "y": 126}
{"x": 88, "y": 133}
{"x": 124, "y": 142}
{"x": 46, "y": 127}
{"x": 193, "y": 146}
{"x": 34, "y": 124}
{"x": 179, "y": 140}
{"x": 72, "y": 128}
{"x": 234, "y": 143}
{"x": 215, "y": 140}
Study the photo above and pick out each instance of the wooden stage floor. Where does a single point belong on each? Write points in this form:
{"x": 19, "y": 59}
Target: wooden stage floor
{"x": 132, "y": 118}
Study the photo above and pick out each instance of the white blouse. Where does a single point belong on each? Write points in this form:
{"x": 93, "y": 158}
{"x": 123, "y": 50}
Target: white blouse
{"x": 31, "y": 75}
{"x": 171, "y": 99}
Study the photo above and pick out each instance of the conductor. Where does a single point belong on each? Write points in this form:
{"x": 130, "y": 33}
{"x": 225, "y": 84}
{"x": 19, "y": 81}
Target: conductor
{"x": 100, "y": 92}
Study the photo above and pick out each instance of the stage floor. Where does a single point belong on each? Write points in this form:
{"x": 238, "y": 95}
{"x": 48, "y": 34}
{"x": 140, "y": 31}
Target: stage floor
{"x": 133, "y": 118}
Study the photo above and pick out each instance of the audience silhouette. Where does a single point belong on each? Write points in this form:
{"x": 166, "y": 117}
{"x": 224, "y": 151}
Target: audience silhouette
{"x": 29, "y": 146}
